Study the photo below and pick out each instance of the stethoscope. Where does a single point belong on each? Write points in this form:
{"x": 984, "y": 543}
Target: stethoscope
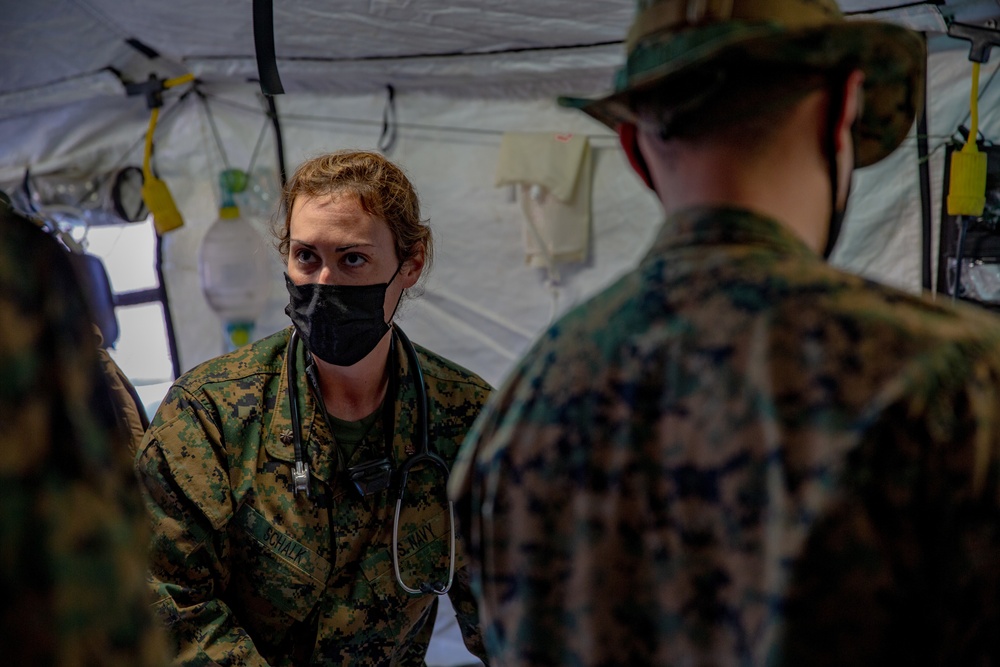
{"x": 374, "y": 476}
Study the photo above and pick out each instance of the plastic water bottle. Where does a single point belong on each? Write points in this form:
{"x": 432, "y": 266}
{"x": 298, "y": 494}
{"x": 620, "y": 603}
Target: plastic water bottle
{"x": 234, "y": 267}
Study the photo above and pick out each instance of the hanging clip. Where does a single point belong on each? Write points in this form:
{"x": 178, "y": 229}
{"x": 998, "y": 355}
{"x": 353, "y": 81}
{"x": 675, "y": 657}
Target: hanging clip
{"x": 300, "y": 478}
{"x": 387, "y": 140}
{"x": 981, "y": 40}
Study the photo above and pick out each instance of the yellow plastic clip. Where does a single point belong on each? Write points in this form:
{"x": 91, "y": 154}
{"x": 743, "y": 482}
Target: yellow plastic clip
{"x": 967, "y": 183}
{"x": 155, "y": 193}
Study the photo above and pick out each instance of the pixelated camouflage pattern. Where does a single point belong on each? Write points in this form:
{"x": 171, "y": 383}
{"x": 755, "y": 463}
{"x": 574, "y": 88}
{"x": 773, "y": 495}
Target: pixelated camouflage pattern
{"x": 773, "y": 32}
{"x": 246, "y": 572}
{"x": 739, "y": 455}
{"x": 72, "y": 527}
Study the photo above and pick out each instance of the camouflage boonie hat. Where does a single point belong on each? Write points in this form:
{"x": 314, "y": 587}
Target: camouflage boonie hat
{"x": 671, "y": 38}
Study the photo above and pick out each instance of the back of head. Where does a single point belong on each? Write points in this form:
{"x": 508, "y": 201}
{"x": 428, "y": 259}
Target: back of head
{"x": 734, "y": 101}
{"x": 697, "y": 67}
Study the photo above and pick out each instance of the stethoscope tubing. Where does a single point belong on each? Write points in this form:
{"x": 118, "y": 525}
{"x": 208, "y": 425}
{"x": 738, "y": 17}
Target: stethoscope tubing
{"x": 301, "y": 474}
{"x": 423, "y": 455}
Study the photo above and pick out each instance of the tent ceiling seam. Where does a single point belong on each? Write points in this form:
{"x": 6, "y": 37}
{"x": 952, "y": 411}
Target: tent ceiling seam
{"x": 102, "y": 18}
{"x": 417, "y": 56}
{"x": 306, "y": 118}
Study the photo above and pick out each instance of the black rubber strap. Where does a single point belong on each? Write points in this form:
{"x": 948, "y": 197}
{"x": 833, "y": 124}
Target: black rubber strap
{"x": 263, "y": 39}
{"x": 387, "y": 140}
{"x": 837, "y": 86}
{"x": 389, "y": 403}
{"x": 926, "y": 215}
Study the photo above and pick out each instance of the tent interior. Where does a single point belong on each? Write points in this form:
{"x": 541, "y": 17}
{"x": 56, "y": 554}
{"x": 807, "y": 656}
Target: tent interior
{"x": 440, "y": 87}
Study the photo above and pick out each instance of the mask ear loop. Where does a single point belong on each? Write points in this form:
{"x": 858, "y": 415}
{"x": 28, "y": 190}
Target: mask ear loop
{"x": 400, "y": 299}
{"x": 628, "y": 135}
{"x": 835, "y": 113}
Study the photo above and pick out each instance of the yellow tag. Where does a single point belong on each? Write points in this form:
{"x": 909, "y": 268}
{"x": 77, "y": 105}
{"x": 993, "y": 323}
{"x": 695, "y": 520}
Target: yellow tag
{"x": 161, "y": 204}
{"x": 967, "y": 182}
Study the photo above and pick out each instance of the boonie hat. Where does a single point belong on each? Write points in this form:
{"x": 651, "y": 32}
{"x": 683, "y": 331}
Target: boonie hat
{"x": 671, "y": 38}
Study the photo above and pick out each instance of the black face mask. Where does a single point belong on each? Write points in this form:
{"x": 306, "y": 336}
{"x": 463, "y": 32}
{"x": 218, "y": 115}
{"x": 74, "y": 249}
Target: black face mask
{"x": 340, "y": 324}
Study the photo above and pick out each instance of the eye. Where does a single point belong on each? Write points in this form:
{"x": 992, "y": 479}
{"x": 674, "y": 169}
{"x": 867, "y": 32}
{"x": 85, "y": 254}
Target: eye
{"x": 354, "y": 260}
{"x": 303, "y": 255}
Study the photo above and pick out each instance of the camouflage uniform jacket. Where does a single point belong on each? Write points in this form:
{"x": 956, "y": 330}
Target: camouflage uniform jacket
{"x": 249, "y": 573}
{"x": 72, "y": 526}
{"x": 740, "y": 455}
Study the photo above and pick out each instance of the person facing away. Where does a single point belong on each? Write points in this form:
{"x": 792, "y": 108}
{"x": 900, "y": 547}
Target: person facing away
{"x": 738, "y": 454}
{"x": 293, "y": 523}
{"x": 72, "y": 526}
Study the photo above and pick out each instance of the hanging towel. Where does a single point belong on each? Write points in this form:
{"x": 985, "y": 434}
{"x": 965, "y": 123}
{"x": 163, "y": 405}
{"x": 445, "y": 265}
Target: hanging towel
{"x": 553, "y": 175}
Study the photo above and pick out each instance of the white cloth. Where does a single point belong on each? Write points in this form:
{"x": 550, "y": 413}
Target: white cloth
{"x": 447, "y": 648}
{"x": 553, "y": 173}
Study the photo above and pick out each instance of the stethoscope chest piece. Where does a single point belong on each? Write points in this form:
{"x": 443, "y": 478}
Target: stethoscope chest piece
{"x": 371, "y": 477}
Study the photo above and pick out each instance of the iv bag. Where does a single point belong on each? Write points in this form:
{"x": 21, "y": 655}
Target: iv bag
{"x": 234, "y": 269}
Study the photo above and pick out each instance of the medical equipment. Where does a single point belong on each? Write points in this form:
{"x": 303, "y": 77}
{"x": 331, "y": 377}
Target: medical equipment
{"x": 233, "y": 266}
{"x": 969, "y": 248}
{"x": 378, "y": 475}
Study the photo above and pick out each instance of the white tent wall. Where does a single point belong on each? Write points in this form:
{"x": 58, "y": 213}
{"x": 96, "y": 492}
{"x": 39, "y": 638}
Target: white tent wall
{"x": 482, "y": 305}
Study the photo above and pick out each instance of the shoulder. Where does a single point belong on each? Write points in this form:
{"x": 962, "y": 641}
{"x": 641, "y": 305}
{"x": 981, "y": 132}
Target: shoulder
{"x": 793, "y": 297}
{"x": 456, "y": 393}
{"x": 880, "y": 320}
{"x": 445, "y": 371}
{"x": 233, "y": 383}
{"x": 264, "y": 356}
{"x": 799, "y": 318}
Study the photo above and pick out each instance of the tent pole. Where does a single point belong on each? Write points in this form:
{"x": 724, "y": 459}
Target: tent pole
{"x": 923, "y": 162}
{"x": 168, "y": 319}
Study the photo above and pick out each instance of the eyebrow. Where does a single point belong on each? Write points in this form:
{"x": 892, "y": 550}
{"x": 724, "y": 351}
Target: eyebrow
{"x": 345, "y": 248}
{"x": 342, "y": 248}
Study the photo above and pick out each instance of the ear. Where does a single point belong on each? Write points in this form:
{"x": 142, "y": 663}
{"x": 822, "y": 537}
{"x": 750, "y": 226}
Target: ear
{"x": 850, "y": 110}
{"x": 410, "y": 272}
{"x": 629, "y": 139}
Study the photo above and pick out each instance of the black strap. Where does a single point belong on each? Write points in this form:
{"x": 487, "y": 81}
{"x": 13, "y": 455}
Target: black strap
{"x": 389, "y": 401}
{"x": 293, "y": 399}
{"x": 926, "y": 215}
{"x": 838, "y": 83}
{"x": 422, "y": 429}
{"x": 387, "y": 140}
{"x": 263, "y": 40}
{"x": 279, "y": 143}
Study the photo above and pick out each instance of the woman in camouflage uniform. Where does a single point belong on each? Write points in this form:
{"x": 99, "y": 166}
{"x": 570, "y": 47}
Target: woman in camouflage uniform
{"x": 255, "y": 565}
